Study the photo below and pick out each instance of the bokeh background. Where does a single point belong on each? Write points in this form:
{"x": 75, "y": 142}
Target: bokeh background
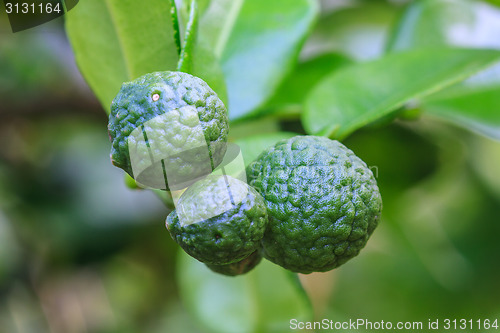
{"x": 81, "y": 252}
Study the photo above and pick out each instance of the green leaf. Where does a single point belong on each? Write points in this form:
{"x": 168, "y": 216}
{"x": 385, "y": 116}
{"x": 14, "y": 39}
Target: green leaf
{"x": 184, "y": 8}
{"x": 358, "y": 95}
{"x": 474, "y": 103}
{"x": 431, "y": 23}
{"x": 475, "y": 109}
{"x": 119, "y": 40}
{"x": 359, "y": 30}
{"x": 252, "y": 146}
{"x": 176, "y": 26}
{"x": 197, "y": 57}
{"x": 257, "y": 42}
{"x": 263, "y": 300}
{"x": 436, "y": 23}
{"x": 207, "y": 67}
{"x": 294, "y": 89}
{"x": 190, "y": 38}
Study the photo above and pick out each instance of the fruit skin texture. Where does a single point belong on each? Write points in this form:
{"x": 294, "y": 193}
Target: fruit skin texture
{"x": 322, "y": 201}
{"x": 159, "y": 93}
{"x": 225, "y": 238}
{"x": 238, "y": 268}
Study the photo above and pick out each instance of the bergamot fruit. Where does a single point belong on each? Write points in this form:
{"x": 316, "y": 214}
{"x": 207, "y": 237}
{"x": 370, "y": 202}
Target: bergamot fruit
{"x": 322, "y": 201}
{"x": 167, "y": 128}
{"x": 218, "y": 220}
{"x": 239, "y": 267}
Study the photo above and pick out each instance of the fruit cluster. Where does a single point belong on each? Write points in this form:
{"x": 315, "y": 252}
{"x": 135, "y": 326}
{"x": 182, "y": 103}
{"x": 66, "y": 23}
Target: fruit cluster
{"x": 310, "y": 203}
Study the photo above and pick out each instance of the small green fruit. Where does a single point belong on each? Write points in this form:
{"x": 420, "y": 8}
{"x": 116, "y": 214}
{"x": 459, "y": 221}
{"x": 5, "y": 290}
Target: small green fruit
{"x": 322, "y": 201}
{"x": 167, "y": 128}
{"x": 218, "y": 220}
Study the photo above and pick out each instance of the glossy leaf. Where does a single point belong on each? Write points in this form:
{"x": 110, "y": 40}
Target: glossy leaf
{"x": 197, "y": 57}
{"x": 183, "y": 9}
{"x": 358, "y": 95}
{"x": 207, "y": 67}
{"x": 435, "y": 23}
{"x": 257, "y": 42}
{"x": 190, "y": 38}
{"x": 252, "y": 146}
{"x": 174, "y": 14}
{"x": 475, "y": 109}
{"x": 263, "y": 300}
{"x": 307, "y": 74}
{"x": 474, "y": 103}
{"x": 119, "y": 40}
{"x": 359, "y": 30}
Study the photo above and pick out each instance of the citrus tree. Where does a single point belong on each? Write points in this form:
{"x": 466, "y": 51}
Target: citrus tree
{"x": 288, "y": 68}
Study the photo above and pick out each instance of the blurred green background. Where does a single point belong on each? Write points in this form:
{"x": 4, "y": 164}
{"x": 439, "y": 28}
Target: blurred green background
{"x": 80, "y": 252}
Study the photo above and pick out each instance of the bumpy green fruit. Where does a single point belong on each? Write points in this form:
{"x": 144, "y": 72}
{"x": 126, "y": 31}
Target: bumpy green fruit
{"x": 238, "y": 268}
{"x": 218, "y": 220}
{"x": 167, "y": 128}
{"x": 322, "y": 201}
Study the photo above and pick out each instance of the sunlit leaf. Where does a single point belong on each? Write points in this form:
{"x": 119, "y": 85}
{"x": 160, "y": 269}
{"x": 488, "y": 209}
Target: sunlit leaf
{"x": 434, "y": 23}
{"x": 197, "y": 57}
{"x": 186, "y": 60}
{"x": 119, "y": 40}
{"x": 257, "y": 42}
{"x": 474, "y": 103}
{"x": 475, "y": 109}
{"x": 307, "y": 74}
{"x": 359, "y": 30}
{"x": 358, "y": 95}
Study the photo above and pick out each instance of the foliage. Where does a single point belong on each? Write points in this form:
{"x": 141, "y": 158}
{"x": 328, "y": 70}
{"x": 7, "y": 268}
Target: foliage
{"x": 118, "y": 41}
{"x": 358, "y": 95}
{"x": 401, "y": 85}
